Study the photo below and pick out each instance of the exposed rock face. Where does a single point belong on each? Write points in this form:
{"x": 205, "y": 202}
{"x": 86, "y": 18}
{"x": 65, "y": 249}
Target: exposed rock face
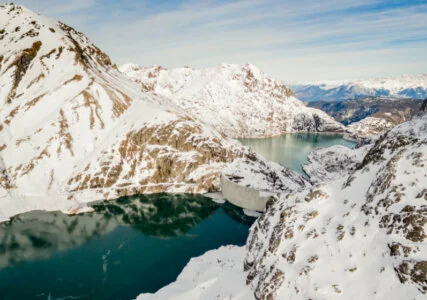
{"x": 73, "y": 128}
{"x": 239, "y": 101}
{"x": 264, "y": 176}
{"x": 332, "y": 163}
{"x": 369, "y": 117}
{"x": 405, "y": 86}
{"x": 393, "y": 110}
{"x": 160, "y": 157}
{"x": 368, "y": 128}
{"x": 362, "y": 236}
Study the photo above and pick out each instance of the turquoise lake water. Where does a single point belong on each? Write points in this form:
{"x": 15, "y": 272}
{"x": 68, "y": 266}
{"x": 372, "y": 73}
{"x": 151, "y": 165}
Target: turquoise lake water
{"x": 131, "y": 245}
{"x": 128, "y": 246}
{"x": 291, "y": 150}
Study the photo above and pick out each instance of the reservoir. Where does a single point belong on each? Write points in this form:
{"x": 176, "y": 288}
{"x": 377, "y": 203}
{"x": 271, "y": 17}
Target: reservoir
{"x": 131, "y": 245}
{"x": 291, "y": 150}
{"x": 126, "y": 247}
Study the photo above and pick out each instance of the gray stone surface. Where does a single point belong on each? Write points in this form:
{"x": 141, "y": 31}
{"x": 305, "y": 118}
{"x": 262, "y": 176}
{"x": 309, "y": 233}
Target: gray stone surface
{"x": 242, "y": 196}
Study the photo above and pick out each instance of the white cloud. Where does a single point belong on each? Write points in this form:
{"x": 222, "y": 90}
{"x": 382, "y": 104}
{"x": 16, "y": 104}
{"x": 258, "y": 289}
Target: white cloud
{"x": 292, "y": 40}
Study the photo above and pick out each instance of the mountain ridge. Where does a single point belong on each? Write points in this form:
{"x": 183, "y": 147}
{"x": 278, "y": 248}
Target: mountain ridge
{"x": 408, "y": 86}
{"x": 360, "y": 235}
{"x": 238, "y": 100}
{"x": 394, "y": 110}
{"x": 73, "y": 129}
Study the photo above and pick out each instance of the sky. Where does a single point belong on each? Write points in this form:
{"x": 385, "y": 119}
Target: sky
{"x": 294, "y": 41}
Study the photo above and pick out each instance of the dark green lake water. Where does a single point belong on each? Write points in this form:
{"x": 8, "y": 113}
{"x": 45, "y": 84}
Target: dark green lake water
{"x": 131, "y": 245}
{"x": 128, "y": 246}
{"x": 291, "y": 150}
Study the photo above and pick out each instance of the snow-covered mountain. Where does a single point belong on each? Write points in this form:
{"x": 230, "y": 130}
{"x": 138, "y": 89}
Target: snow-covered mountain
{"x": 394, "y": 110}
{"x": 238, "y": 100}
{"x": 370, "y": 116}
{"x": 405, "y": 86}
{"x": 361, "y": 236}
{"x": 74, "y": 129}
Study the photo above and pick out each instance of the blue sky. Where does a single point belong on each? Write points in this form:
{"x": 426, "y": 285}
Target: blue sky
{"x": 291, "y": 40}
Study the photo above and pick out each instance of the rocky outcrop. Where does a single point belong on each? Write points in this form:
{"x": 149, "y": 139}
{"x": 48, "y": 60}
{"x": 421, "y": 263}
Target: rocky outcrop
{"x": 264, "y": 176}
{"x": 239, "y": 101}
{"x": 74, "y": 129}
{"x": 392, "y": 110}
{"x": 332, "y": 163}
{"x": 161, "y": 157}
{"x": 368, "y": 128}
{"x": 369, "y": 117}
{"x": 359, "y": 236}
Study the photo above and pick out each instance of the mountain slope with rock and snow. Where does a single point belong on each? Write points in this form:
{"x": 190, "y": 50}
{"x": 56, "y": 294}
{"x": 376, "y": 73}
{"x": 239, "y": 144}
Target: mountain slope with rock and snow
{"x": 393, "y": 110}
{"x": 331, "y": 163}
{"x": 363, "y": 235}
{"x": 239, "y": 101}
{"x": 368, "y": 128}
{"x": 370, "y": 116}
{"x": 410, "y": 86}
{"x": 74, "y": 129}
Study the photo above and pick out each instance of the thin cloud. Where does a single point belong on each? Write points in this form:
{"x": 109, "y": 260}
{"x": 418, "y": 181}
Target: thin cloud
{"x": 58, "y": 8}
{"x": 291, "y": 40}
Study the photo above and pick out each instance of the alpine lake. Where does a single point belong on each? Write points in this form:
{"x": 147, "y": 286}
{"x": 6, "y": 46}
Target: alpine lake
{"x": 130, "y": 245}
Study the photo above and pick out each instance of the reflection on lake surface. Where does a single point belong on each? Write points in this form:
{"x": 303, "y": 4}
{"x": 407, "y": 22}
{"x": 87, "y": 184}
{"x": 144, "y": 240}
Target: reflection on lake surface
{"x": 126, "y": 247}
{"x": 131, "y": 245}
{"x": 291, "y": 150}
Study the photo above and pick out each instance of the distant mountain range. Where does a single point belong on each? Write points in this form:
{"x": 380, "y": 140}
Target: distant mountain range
{"x": 401, "y": 87}
{"x": 394, "y": 110}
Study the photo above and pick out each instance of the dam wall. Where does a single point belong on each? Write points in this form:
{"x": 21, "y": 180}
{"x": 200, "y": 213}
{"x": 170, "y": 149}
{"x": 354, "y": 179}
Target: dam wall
{"x": 244, "y": 197}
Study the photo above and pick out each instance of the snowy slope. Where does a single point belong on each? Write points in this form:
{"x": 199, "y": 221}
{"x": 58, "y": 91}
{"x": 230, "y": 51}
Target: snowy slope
{"x": 362, "y": 236}
{"x": 411, "y": 86}
{"x": 240, "y": 101}
{"x": 217, "y": 274}
{"x": 264, "y": 176}
{"x": 369, "y": 127}
{"x": 359, "y": 237}
{"x": 327, "y": 164}
{"x": 74, "y": 129}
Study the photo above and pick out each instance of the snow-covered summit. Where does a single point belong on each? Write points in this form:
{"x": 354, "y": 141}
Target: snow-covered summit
{"x": 411, "y": 86}
{"x": 129, "y": 67}
{"x": 238, "y": 100}
{"x": 393, "y": 84}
